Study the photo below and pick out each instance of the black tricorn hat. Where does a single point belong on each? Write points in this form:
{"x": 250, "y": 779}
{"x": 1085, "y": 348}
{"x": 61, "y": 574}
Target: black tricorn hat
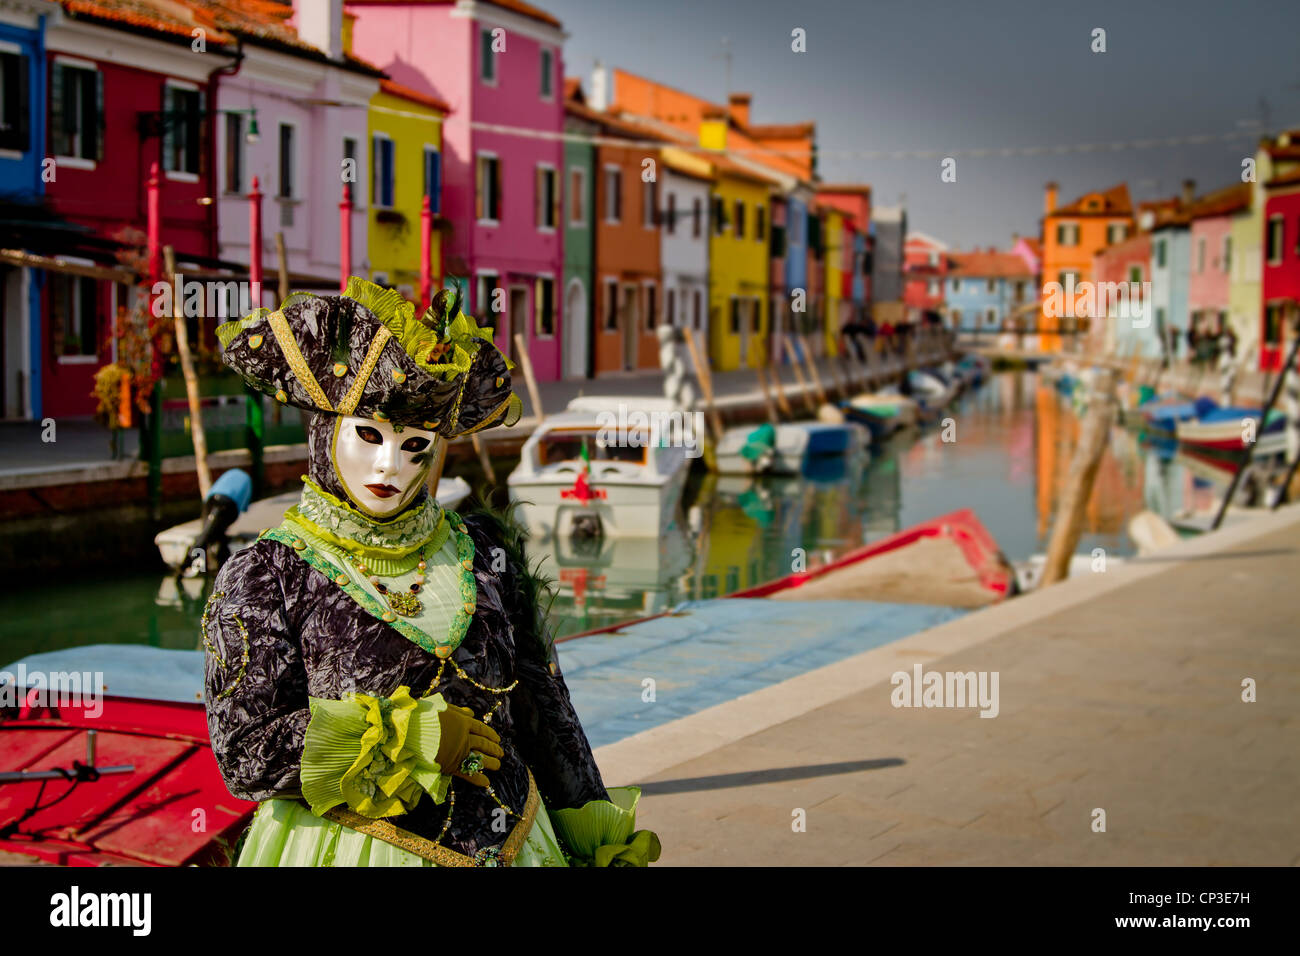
{"x": 364, "y": 353}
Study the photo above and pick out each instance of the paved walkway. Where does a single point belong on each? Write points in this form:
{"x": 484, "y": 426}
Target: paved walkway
{"x": 1121, "y": 691}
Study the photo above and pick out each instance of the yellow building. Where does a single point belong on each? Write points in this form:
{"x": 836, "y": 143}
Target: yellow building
{"x": 739, "y": 243}
{"x": 834, "y": 285}
{"x": 405, "y": 163}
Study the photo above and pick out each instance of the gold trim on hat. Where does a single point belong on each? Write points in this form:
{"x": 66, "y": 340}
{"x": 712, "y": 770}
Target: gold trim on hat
{"x": 298, "y": 364}
{"x": 353, "y": 397}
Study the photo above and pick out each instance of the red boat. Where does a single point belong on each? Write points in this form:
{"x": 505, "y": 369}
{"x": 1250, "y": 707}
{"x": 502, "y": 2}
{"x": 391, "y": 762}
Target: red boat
{"x": 105, "y": 760}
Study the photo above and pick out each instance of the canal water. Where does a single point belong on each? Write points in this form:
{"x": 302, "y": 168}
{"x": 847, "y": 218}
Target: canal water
{"x": 1010, "y": 453}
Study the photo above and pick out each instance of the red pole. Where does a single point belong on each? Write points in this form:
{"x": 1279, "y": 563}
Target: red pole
{"x": 345, "y": 238}
{"x": 426, "y": 267}
{"x": 255, "y": 244}
{"x": 153, "y": 212}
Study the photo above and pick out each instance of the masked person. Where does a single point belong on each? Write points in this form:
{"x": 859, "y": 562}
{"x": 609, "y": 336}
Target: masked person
{"x": 377, "y": 672}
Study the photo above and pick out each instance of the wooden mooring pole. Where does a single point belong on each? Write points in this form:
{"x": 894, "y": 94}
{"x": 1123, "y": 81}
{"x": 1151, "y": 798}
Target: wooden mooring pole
{"x": 197, "y": 434}
{"x": 1083, "y": 475}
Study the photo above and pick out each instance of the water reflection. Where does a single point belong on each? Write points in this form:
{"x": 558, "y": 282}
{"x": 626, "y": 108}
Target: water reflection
{"x": 1014, "y": 439}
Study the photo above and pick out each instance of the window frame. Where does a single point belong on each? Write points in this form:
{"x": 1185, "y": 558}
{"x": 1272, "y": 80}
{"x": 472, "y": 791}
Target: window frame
{"x": 1273, "y": 255}
{"x": 578, "y": 194}
{"x": 377, "y": 170}
{"x": 21, "y": 135}
{"x": 483, "y": 216}
{"x": 615, "y": 171}
{"x": 170, "y": 86}
{"x": 79, "y": 358}
{"x": 546, "y": 87}
{"x": 541, "y": 278}
{"x": 433, "y": 190}
{"x": 235, "y": 143}
{"x": 548, "y": 173}
{"x": 280, "y": 165}
{"x": 68, "y": 159}
{"x": 487, "y": 56}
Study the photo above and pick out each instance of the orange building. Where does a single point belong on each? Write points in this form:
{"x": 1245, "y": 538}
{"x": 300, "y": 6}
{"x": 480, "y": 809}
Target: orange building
{"x": 1072, "y": 237}
{"x": 627, "y": 273}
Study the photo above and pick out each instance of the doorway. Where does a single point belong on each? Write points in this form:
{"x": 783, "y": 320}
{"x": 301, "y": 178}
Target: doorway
{"x": 629, "y": 324}
{"x": 576, "y": 326}
{"x": 518, "y": 319}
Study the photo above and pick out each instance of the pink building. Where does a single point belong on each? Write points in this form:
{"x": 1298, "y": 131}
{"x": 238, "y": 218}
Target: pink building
{"x": 1211, "y": 252}
{"x": 496, "y": 63}
{"x": 925, "y": 266}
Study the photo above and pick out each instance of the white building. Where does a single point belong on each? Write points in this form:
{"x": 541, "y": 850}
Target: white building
{"x": 684, "y": 251}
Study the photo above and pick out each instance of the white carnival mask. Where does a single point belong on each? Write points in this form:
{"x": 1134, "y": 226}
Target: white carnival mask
{"x": 381, "y": 469}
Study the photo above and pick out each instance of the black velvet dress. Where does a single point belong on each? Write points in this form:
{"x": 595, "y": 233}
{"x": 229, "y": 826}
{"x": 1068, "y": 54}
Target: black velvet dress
{"x": 303, "y": 636}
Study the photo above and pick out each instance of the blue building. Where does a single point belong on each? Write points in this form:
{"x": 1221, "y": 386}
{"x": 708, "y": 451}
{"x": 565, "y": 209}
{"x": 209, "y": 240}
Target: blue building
{"x": 983, "y": 289}
{"x": 22, "y": 149}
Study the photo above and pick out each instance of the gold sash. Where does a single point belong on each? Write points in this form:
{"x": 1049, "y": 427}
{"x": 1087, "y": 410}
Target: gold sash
{"x": 435, "y": 852}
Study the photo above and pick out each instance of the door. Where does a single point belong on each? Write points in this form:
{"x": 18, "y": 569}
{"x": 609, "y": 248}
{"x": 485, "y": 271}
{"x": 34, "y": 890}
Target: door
{"x": 518, "y": 319}
{"x": 576, "y": 326}
{"x": 629, "y": 324}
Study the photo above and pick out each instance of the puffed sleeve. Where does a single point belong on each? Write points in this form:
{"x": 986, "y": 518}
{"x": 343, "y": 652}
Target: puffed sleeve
{"x": 547, "y": 731}
{"x": 255, "y": 681}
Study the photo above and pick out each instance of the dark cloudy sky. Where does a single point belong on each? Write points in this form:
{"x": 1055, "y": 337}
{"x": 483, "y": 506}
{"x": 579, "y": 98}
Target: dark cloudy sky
{"x": 949, "y": 74}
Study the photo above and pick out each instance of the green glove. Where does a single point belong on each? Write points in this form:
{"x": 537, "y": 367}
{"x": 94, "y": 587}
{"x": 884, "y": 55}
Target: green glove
{"x": 462, "y": 733}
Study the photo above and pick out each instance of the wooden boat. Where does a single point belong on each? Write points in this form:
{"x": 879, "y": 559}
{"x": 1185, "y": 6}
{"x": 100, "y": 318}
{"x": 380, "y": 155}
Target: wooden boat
{"x": 621, "y": 488}
{"x": 787, "y": 448}
{"x": 174, "y": 543}
{"x": 1224, "y": 429}
{"x": 885, "y": 413}
{"x": 1160, "y": 417}
{"x": 129, "y": 775}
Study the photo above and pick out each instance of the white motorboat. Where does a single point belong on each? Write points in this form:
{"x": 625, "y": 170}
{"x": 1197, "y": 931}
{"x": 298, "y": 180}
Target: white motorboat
{"x": 787, "y": 448}
{"x": 629, "y": 484}
{"x": 174, "y": 544}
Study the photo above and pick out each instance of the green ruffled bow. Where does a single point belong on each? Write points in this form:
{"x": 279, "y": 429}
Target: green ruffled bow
{"x": 600, "y": 833}
{"x": 438, "y": 342}
{"x": 376, "y": 754}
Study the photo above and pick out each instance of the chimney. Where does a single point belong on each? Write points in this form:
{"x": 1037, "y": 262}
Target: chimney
{"x": 1189, "y": 191}
{"x": 1049, "y": 199}
{"x": 738, "y": 109}
{"x": 600, "y": 88}
{"x": 320, "y": 23}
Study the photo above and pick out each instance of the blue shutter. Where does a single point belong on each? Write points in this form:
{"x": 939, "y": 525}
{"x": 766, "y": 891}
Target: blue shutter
{"x": 433, "y": 179}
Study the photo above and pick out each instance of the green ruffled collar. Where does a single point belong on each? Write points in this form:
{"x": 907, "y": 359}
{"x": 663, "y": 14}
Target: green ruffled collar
{"x": 340, "y": 524}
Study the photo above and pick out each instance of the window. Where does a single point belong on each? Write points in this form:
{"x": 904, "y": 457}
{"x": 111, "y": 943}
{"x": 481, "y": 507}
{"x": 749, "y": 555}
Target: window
{"x": 1115, "y": 232}
{"x": 719, "y": 216}
{"x": 991, "y": 286}
{"x": 487, "y": 58}
{"x": 73, "y": 316}
{"x": 350, "y": 161}
{"x": 934, "y": 258}
{"x": 735, "y": 314}
{"x": 670, "y": 218}
{"x": 815, "y": 236}
{"x": 611, "y": 305}
{"x": 234, "y": 152}
{"x": 991, "y": 316}
{"x": 77, "y": 110}
{"x": 433, "y": 178}
{"x": 547, "y": 191}
{"x": 740, "y": 219}
{"x": 1227, "y": 254}
{"x": 613, "y": 194}
{"x": 544, "y": 307}
{"x": 1067, "y": 234}
{"x": 14, "y": 120}
{"x": 487, "y": 189}
{"x": 182, "y": 128}
{"x": 1273, "y": 250}
{"x": 1160, "y": 253}
{"x": 697, "y": 308}
{"x": 760, "y": 223}
{"x": 287, "y": 161}
{"x": 382, "y": 172}
{"x": 932, "y": 288}
{"x": 577, "y": 196}
{"x": 486, "y": 299}
{"x": 670, "y": 315}
{"x": 651, "y": 307}
{"x": 1273, "y": 324}
{"x": 956, "y": 285}
{"x": 548, "y": 74}
{"x": 778, "y": 244}
{"x": 650, "y": 204}
{"x": 1134, "y": 273}
{"x": 1200, "y": 254}
{"x": 956, "y": 316}
{"x": 697, "y": 216}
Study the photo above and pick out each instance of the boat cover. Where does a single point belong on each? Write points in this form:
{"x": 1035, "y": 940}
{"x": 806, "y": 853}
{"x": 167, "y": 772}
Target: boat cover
{"x": 129, "y": 670}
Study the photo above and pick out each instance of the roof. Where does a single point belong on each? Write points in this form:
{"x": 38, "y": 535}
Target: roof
{"x": 1033, "y": 243}
{"x": 415, "y": 96}
{"x": 988, "y": 265}
{"x": 1285, "y": 179}
{"x": 1138, "y": 245}
{"x": 514, "y": 6}
{"x": 1114, "y": 202}
{"x": 781, "y": 130}
{"x": 1221, "y": 202}
{"x": 573, "y": 89}
{"x": 263, "y": 22}
{"x": 855, "y": 188}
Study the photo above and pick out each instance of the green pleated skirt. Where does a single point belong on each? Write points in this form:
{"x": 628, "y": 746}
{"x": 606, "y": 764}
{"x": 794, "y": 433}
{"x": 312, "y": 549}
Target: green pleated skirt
{"x": 287, "y": 833}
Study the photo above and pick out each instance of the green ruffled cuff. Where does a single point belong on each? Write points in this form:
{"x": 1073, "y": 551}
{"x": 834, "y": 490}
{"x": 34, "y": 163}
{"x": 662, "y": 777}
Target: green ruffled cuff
{"x": 376, "y": 754}
{"x": 601, "y": 832}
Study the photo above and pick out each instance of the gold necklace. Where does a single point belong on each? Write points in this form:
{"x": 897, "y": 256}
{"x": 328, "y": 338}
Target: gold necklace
{"x": 403, "y": 602}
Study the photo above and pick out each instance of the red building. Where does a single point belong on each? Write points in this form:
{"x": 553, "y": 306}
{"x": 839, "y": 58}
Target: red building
{"x": 925, "y": 267}
{"x": 120, "y": 101}
{"x": 1281, "y": 268}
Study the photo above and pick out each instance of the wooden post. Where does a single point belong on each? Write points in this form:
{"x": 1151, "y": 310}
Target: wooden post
{"x": 812, "y": 369}
{"x": 706, "y": 382}
{"x": 804, "y": 391}
{"x": 758, "y": 360}
{"x": 529, "y": 379}
{"x": 483, "y": 459}
{"x": 283, "y": 262}
{"x": 1083, "y": 474}
{"x": 197, "y": 435}
{"x": 774, "y": 370}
